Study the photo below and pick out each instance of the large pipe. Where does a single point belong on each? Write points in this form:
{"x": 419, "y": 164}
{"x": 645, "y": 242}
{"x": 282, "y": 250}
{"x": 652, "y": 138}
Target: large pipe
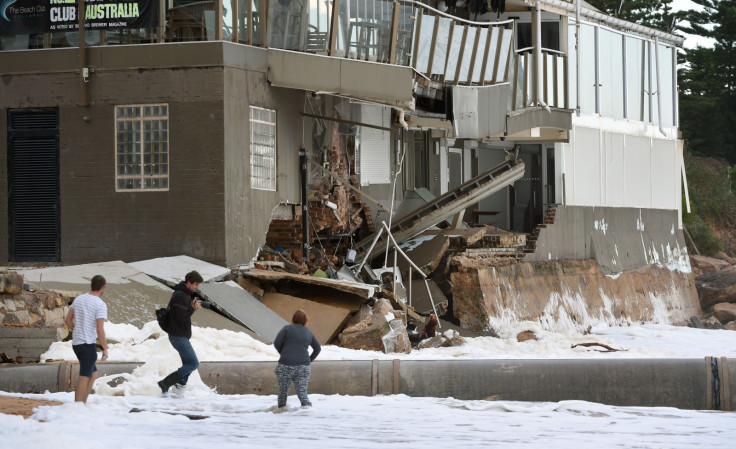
{"x": 697, "y": 384}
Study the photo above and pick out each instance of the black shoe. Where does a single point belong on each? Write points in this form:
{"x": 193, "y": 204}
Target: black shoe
{"x": 168, "y": 381}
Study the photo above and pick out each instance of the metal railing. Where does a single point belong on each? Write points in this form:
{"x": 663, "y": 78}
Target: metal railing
{"x": 554, "y": 80}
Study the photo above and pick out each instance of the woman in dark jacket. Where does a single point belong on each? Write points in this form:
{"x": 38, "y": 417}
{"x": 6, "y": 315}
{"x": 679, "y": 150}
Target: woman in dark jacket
{"x": 292, "y": 342}
{"x": 182, "y": 305}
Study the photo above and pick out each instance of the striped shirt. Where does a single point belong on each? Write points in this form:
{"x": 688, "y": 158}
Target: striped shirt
{"x": 87, "y": 310}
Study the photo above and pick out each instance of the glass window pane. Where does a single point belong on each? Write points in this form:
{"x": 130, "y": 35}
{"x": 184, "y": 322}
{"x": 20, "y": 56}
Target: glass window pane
{"x": 587, "y": 71}
{"x": 637, "y": 79}
{"x": 611, "y": 74}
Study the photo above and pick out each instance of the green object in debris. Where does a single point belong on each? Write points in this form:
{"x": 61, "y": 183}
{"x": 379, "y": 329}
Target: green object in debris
{"x": 320, "y": 274}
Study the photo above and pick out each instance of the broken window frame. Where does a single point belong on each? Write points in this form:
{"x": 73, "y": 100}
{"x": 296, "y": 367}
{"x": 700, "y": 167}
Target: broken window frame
{"x": 142, "y": 148}
{"x": 262, "y": 148}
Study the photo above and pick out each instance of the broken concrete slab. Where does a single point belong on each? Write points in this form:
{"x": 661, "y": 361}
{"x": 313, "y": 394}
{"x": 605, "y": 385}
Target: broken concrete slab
{"x": 425, "y": 250}
{"x": 364, "y": 291}
{"x": 131, "y": 296}
{"x": 325, "y": 321}
{"x": 171, "y": 270}
{"x": 421, "y": 301}
{"x": 460, "y": 238}
{"x": 242, "y": 307}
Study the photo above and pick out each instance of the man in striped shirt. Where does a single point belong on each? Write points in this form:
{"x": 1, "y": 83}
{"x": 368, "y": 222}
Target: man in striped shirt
{"x": 86, "y": 320}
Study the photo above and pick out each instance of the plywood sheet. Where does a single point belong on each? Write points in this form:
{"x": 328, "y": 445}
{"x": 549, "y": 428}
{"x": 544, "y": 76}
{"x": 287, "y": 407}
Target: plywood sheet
{"x": 325, "y": 321}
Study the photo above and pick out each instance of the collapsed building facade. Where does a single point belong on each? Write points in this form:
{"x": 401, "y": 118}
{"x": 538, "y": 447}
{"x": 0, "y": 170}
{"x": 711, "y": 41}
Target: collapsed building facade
{"x": 289, "y": 132}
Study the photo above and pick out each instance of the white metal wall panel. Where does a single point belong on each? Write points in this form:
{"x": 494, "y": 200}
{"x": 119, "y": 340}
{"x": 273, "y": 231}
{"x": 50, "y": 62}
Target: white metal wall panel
{"x": 587, "y": 171}
{"x": 613, "y": 169}
{"x": 664, "y": 169}
{"x": 375, "y": 146}
{"x": 637, "y": 172}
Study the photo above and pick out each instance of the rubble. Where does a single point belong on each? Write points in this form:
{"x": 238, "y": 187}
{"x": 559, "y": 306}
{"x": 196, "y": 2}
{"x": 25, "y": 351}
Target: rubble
{"x": 448, "y": 338}
{"x": 384, "y": 330}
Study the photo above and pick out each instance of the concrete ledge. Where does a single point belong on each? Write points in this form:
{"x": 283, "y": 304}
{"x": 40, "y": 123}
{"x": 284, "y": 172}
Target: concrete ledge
{"x": 698, "y": 384}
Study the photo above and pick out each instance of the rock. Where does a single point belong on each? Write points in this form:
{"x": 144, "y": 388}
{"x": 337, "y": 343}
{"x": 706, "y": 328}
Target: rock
{"x": 707, "y": 265}
{"x": 725, "y": 257}
{"x": 695, "y": 322}
{"x": 384, "y": 330}
{"x": 12, "y": 282}
{"x": 526, "y": 335}
{"x": 447, "y": 339}
{"x": 730, "y": 326}
{"x": 725, "y": 312}
{"x": 716, "y": 287}
{"x": 712, "y": 323}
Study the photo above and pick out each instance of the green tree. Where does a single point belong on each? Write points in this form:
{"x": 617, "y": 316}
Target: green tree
{"x": 707, "y": 81}
{"x": 656, "y": 14}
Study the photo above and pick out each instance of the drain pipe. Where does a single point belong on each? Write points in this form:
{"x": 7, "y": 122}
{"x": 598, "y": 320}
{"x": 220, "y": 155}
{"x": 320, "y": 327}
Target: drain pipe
{"x": 305, "y": 208}
{"x": 659, "y": 86}
{"x": 538, "y": 53}
{"x": 577, "y": 57}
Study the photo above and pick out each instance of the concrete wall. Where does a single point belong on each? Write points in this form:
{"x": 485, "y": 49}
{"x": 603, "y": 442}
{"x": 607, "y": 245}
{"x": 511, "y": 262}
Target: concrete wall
{"x": 248, "y": 211}
{"x": 618, "y": 238}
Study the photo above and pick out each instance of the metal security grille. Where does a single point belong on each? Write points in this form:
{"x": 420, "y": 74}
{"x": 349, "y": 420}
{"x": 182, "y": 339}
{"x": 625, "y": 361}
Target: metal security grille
{"x": 33, "y": 185}
{"x": 262, "y": 148}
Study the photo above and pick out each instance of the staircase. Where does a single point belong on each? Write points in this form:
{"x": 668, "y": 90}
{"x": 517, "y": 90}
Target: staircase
{"x": 531, "y": 240}
{"x": 447, "y": 205}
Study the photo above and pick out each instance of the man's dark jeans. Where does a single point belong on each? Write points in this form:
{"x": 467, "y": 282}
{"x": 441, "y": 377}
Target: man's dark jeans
{"x": 188, "y": 357}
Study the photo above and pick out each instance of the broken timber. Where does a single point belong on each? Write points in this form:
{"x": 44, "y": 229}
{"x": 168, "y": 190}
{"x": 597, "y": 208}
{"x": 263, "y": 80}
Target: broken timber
{"x": 447, "y": 205}
{"x": 364, "y": 291}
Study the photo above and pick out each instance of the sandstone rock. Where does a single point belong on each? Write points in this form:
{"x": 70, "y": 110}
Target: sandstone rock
{"x": 716, "y": 287}
{"x": 712, "y": 323}
{"x": 447, "y": 339}
{"x": 730, "y": 326}
{"x": 526, "y": 335}
{"x": 12, "y": 283}
{"x": 725, "y": 257}
{"x": 384, "y": 330}
{"x": 707, "y": 265}
{"x": 724, "y": 312}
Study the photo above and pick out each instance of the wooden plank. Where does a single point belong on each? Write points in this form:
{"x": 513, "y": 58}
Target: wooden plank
{"x": 364, "y": 291}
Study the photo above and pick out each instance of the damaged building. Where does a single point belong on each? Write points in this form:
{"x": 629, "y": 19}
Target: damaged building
{"x": 506, "y": 163}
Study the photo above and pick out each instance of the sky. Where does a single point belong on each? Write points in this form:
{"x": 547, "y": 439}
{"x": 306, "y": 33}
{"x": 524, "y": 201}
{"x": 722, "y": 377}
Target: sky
{"x": 690, "y": 40}
{"x": 393, "y": 421}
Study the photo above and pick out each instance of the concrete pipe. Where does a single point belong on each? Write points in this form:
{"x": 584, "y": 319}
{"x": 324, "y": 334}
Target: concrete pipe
{"x": 701, "y": 384}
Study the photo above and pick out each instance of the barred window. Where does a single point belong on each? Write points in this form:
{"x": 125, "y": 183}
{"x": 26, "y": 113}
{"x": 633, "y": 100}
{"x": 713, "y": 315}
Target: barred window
{"x": 262, "y": 148}
{"x": 142, "y": 147}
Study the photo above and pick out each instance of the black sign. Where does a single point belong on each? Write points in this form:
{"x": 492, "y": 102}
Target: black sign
{"x": 40, "y": 16}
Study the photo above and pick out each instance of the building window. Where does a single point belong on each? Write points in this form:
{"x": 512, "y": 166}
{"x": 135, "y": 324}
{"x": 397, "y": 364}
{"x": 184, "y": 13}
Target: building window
{"x": 262, "y": 148}
{"x": 142, "y": 147}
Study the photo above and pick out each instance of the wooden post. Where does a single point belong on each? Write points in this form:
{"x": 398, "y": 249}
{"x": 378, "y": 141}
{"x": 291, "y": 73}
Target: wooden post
{"x": 417, "y": 33}
{"x": 263, "y": 16}
{"x": 334, "y": 27}
{"x": 218, "y": 20}
{"x": 461, "y": 54}
{"x": 235, "y": 22}
{"x": 394, "y": 33}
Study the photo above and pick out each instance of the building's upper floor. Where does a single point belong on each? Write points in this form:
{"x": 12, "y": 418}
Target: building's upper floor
{"x": 553, "y": 55}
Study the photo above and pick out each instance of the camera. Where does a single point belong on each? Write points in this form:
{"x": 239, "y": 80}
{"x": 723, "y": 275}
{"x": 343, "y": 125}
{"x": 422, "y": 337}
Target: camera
{"x": 203, "y": 303}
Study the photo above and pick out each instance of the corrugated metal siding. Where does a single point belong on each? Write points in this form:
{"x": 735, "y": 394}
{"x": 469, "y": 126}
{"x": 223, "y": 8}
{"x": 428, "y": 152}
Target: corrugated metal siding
{"x": 375, "y": 146}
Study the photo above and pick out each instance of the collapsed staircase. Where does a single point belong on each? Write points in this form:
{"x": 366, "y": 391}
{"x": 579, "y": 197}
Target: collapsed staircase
{"x": 446, "y": 206}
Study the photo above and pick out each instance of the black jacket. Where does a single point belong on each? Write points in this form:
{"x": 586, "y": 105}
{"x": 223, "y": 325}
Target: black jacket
{"x": 181, "y": 310}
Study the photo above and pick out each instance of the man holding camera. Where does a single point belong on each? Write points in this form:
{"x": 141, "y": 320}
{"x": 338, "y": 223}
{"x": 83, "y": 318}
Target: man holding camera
{"x": 182, "y": 305}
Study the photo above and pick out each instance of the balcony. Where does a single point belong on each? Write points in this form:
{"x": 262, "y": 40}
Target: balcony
{"x": 324, "y": 45}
